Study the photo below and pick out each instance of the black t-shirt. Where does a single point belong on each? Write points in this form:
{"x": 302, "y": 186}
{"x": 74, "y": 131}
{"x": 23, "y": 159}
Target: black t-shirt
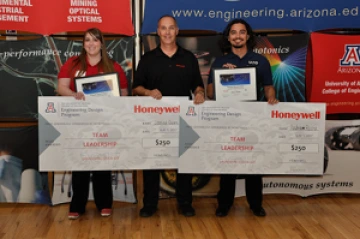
{"x": 178, "y": 75}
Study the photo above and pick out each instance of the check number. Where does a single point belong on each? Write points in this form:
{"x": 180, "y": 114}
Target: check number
{"x": 308, "y": 148}
{"x": 160, "y": 142}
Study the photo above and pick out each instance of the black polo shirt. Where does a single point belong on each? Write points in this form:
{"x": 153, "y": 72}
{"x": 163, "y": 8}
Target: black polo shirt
{"x": 178, "y": 75}
{"x": 251, "y": 59}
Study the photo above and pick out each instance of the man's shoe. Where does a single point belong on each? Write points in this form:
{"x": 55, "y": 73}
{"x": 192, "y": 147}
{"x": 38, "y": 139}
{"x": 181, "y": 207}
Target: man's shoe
{"x": 147, "y": 211}
{"x": 73, "y": 215}
{"x": 222, "y": 211}
{"x": 187, "y": 210}
{"x": 105, "y": 212}
{"x": 259, "y": 212}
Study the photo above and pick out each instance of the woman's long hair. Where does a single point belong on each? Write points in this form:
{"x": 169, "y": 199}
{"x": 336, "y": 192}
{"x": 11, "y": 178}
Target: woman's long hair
{"x": 105, "y": 65}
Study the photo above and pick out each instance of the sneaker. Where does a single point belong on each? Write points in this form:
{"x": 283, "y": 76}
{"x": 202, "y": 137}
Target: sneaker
{"x": 187, "y": 210}
{"x": 105, "y": 212}
{"x": 73, "y": 215}
{"x": 147, "y": 211}
{"x": 222, "y": 211}
{"x": 259, "y": 212}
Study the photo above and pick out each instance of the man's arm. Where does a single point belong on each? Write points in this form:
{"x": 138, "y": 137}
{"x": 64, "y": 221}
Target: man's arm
{"x": 198, "y": 85}
{"x": 140, "y": 79}
{"x": 210, "y": 91}
{"x": 199, "y": 95}
{"x": 266, "y": 75}
{"x": 270, "y": 94}
{"x": 140, "y": 91}
{"x": 199, "y": 90}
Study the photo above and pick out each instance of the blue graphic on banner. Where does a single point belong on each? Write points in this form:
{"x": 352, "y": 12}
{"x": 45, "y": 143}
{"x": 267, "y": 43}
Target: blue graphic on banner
{"x": 306, "y": 15}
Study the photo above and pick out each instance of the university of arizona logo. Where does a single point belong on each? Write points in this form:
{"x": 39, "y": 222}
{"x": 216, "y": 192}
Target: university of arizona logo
{"x": 351, "y": 56}
{"x": 50, "y": 108}
{"x": 191, "y": 111}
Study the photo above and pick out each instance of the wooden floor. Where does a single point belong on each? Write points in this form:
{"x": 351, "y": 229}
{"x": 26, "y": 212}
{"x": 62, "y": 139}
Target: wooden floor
{"x": 289, "y": 217}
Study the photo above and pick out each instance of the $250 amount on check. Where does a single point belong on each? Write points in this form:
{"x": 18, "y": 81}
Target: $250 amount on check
{"x": 160, "y": 142}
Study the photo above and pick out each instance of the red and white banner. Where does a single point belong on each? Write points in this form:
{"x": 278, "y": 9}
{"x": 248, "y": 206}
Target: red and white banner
{"x": 334, "y": 75}
{"x": 50, "y": 17}
{"x": 27, "y": 15}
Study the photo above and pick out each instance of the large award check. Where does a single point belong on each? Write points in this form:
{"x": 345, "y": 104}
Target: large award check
{"x": 108, "y": 133}
{"x": 252, "y": 138}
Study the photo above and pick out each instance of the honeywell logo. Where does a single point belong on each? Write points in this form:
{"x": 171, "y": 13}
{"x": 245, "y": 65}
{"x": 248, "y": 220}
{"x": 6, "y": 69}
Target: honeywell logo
{"x": 156, "y": 110}
{"x": 295, "y": 115}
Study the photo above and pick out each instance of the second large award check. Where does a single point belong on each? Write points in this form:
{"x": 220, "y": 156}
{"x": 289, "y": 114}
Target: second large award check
{"x": 108, "y": 133}
{"x": 252, "y": 138}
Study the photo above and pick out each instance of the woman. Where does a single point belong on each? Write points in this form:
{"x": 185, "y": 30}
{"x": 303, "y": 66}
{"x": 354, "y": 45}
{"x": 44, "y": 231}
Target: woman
{"x": 93, "y": 60}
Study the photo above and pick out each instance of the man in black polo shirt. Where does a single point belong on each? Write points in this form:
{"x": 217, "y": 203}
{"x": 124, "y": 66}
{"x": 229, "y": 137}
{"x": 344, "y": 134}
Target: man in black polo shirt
{"x": 237, "y": 45}
{"x": 168, "y": 70}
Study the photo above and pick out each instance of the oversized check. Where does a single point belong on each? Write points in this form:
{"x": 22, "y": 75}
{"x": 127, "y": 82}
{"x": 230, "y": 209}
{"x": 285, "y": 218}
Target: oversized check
{"x": 252, "y": 138}
{"x": 108, "y": 133}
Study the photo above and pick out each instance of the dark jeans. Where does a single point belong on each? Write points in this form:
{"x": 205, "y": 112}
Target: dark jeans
{"x": 253, "y": 189}
{"x": 152, "y": 188}
{"x": 102, "y": 190}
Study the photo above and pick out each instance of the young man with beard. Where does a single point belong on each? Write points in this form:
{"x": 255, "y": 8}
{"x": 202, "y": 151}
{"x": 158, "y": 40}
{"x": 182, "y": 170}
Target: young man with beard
{"x": 168, "y": 70}
{"x": 237, "y": 45}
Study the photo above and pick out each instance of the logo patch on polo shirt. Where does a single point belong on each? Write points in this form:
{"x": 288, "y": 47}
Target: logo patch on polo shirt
{"x": 80, "y": 74}
{"x": 254, "y": 63}
{"x": 181, "y": 66}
